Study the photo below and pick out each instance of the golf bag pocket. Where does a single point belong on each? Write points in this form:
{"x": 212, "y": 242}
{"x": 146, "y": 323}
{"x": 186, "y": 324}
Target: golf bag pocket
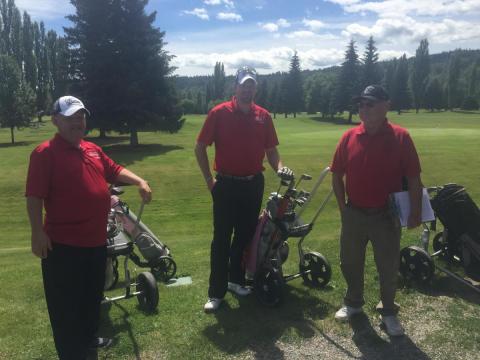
{"x": 149, "y": 248}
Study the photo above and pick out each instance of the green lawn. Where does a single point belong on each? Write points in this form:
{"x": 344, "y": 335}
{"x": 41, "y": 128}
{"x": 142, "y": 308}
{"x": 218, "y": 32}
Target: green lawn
{"x": 180, "y": 214}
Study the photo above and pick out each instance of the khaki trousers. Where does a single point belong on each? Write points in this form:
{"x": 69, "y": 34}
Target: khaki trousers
{"x": 384, "y": 231}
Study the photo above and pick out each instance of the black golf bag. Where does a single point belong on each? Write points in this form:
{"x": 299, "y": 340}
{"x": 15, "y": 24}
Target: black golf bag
{"x": 460, "y": 217}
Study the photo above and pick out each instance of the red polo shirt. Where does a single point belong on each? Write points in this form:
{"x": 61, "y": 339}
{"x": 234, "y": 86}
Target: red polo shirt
{"x": 240, "y": 139}
{"x": 374, "y": 164}
{"x": 73, "y": 184}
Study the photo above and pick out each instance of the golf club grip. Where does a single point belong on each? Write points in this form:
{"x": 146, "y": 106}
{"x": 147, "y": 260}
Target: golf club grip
{"x": 314, "y": 190}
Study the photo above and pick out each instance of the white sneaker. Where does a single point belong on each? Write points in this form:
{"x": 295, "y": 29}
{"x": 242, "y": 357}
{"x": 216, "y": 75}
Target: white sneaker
{"x": 212, "y": 305}
{"x": 392, "y": 325}
{"x": 346, "y": 312}
{"x": 238, "y": 289}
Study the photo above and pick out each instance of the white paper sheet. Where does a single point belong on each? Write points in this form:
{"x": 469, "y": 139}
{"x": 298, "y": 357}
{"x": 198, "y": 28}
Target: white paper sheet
{"x": 402, "y": 207}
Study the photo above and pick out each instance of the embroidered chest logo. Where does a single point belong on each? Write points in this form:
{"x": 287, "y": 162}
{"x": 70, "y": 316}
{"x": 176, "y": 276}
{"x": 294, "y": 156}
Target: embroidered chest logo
{"x": 93, "y": 154}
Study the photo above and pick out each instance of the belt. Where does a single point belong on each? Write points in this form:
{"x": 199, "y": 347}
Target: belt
{"x": 233, "y": 177}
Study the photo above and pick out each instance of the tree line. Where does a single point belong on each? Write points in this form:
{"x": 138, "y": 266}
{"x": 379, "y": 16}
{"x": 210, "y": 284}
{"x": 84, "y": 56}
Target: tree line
{"x": 444, "y": 81}
{"x": 112, "y": 57}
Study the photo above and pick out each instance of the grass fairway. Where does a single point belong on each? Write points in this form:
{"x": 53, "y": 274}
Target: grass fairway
{"x": 442, "y": 321}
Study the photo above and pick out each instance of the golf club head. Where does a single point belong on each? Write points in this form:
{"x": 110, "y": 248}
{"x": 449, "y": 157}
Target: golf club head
{"x": 306, "y": 177}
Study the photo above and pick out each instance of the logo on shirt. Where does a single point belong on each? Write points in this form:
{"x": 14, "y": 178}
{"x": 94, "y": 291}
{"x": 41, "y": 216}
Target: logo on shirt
{"x": 93, "y": 153}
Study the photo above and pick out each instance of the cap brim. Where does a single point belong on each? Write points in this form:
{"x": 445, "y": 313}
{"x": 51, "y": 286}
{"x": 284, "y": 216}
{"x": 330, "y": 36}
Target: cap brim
{"x": 372, "y": 98}
{"x": 73, "y": 109}
{"x": 245, "y": 78}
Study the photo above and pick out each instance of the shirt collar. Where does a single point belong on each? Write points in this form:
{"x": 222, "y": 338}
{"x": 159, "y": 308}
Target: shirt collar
{"x": 383, "y": 129}
{"x": 236, "y": 108}
{"x": 64, "y": 144}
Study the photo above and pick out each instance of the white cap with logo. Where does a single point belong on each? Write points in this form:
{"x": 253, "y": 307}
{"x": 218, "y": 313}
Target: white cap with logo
{"x": 68, "y": 105}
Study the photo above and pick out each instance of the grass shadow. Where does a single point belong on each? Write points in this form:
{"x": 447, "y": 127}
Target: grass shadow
{"x": 468, "y": 112}
{"x": 16, "y": 144}
{"x": 109, "y": 140}
{"x": 254, "y": 327}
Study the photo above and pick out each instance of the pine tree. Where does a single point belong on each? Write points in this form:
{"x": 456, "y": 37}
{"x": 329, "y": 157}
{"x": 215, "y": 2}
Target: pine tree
{"x": 433, "y": 95}
{"x": 262, "y": 93}
{"x": 273, "y": 100}
{"x": 30, "y": 64}
{"x": 453, "y": 78}
{"x": 219, "y": 81}
{"x": 17, "y": 102}
{"x": 123, "y": 67}
{"x": 370, "y": 73}
{"x": 400, "y": 95}
{"x": 294, "y": 87}
{"x": 421, "y": 71}
{"x": 347, "y": 81}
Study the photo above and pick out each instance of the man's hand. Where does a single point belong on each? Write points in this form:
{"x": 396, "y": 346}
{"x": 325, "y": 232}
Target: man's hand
{"x": 145, "y": 191}
{"x": 414, "y": 220}
{"x": 285, "y": 173}
{"x": 211, "y": 183}
{"x": 41, "y": 244}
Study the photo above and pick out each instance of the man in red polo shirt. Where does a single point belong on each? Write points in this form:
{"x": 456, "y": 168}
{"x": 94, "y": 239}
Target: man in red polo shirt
{"x": 373, "y": 158}
{"x": 243, "y": 133}
{"x": 69, "y": 177}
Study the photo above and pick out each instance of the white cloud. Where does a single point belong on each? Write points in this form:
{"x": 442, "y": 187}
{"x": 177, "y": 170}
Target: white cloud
{"x": 45, "y": 9}
{"x": 389, "y": 8}
{"x": 228, "y": 3}
{"x": 198, "y": 12}
{"x": 229, "y": 17}
{"x": 271, "y": 27}
{"x": 283, "y": 23}
{"x": 313, "y": 25}
{"x": 300, "y": 34}
{"x": 407, "y": 30}
{"x": 266, "y": 61}
{"x": 390, "y": 54}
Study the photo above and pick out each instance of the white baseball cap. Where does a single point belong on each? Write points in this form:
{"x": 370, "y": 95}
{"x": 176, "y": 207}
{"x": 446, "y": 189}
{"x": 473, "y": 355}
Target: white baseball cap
{"x": 68, "y": 105}
{"x": 245, "y": 73}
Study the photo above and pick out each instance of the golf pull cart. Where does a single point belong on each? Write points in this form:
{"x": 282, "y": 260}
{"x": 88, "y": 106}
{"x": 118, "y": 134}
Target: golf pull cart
{"x": 269, "y": 248}
{"x": 125, "y": 233}
{"x": 458, "y": 243}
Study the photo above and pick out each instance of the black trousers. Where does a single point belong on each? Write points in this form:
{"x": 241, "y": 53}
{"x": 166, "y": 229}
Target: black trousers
{"x": 73, "y": 279}
{"x": 236, "y": 205}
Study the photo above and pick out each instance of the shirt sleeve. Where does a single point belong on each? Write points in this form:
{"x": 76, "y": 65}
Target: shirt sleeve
{"x": 39, "y": 173}
{"x": 207, "y": 134}
{"x": 410, "y": 160}
{"x": 271, "y": 139}
{"x": 339, "y": 157}
{"x": 112, "y": 169}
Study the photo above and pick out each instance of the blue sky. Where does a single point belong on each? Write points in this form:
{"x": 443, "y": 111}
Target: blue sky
{"x": 265, "y": 33}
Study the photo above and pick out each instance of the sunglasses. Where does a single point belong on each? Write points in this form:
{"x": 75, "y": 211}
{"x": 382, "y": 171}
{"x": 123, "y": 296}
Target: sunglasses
{"x": 369, "y": 104}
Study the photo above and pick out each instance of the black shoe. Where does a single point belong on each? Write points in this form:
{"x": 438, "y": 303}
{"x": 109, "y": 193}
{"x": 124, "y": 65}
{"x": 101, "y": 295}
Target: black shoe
{"x": 101, "y": 342}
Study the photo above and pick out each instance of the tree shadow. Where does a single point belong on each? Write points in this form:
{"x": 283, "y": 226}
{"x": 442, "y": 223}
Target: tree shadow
{"x": 336, "y": 120}
{"x": 469, "y": 112}
{"x": 254, "y": 327}
{"x": 16, "y": 144}
{"x": 127, "y": 155}
{"x": 109, "y": 140}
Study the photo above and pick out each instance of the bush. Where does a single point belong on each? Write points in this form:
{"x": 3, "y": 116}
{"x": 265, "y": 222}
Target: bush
{"x": 470, "y": 103}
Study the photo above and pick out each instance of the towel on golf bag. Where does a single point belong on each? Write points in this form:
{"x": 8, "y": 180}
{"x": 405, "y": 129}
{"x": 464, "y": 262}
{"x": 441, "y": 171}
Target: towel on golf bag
{"x": 461, "y": 217}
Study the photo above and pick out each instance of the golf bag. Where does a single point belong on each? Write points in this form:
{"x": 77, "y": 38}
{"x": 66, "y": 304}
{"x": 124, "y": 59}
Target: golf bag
{"x": 460, "y": 217}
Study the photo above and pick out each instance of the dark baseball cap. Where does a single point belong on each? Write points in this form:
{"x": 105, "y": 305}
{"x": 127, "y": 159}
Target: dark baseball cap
{"x": 373, "y": 93}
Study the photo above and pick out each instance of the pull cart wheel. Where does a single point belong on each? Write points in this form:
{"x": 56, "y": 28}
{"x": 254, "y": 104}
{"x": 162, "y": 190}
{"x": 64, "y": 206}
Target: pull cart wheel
{"x": 267, "y": 285}
{"x": 416, "y": 263}
{"x": 147, "y": 286}
{"x": 319, "y": 269}
{"x": 165, "y": 268}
